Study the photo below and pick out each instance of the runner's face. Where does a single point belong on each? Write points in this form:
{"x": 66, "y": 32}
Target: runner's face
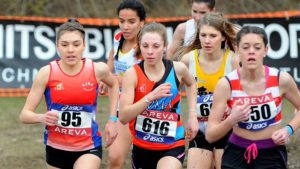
{"x": 252, "y": 50}
{"x": 199, "y": 10}
{"x": 130, "y": 23}
{"x": 210, "y": 38}
{"x": 70, "y": 46}
{"x": 152, "y": 47}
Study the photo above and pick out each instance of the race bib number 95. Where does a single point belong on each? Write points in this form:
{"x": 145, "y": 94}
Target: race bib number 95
{"x": 74, "y": 119}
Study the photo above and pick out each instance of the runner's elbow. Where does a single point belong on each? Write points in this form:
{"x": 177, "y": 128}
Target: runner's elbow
{"x": 209, "y": 136}
{"x": 23, "y": 118}
{"x": 123, "y": 121}
{"x": 122, "y": 118}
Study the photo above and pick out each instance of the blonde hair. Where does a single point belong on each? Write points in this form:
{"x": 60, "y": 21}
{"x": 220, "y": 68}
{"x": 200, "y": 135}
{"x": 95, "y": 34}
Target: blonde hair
{"x": 217, "y": 21}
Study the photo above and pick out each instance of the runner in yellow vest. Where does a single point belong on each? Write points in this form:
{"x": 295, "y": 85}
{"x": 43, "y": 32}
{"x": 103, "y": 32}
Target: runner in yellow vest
{"x": 210, "y": 58}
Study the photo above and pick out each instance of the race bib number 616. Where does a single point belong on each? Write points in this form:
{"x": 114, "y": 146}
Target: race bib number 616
{"x": 156, "y": 124}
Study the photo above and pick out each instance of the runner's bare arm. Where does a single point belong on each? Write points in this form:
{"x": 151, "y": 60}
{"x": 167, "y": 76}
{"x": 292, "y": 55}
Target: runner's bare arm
{"x": 104, "y": 74}
{"x": 110, "y": 60}
{"x": 185, "y": 58}
{"x": 290, "y": 91}
{"x": 110, "y": 63}
{"x": 128, "y": 110}
{"x": 191, "y": 88}
{"x": 177, "y": 40}
{"x": 34, "y": 97}
{"x": 217, "y": 128}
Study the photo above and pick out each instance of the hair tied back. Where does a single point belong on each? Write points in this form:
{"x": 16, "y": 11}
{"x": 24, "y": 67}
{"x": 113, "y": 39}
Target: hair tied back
{"x": 72, "y": 20}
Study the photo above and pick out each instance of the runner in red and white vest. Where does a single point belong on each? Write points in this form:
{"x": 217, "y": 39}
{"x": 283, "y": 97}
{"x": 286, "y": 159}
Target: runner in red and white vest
{"x": 70, "y": 86}
{"x": 254, "y": 95}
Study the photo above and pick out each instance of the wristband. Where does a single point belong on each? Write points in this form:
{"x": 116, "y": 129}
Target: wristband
{"x": 290, "y": 129}
{"x": 113, "y": 118}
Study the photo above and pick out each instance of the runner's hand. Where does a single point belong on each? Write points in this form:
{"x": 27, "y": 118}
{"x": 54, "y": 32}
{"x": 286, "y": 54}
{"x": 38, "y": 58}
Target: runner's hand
{"x": 281, "y": 136}
{"x": 50, "y": 118}
{"x": 102, "y": 88}
{"x": 161, "y": 91}
{"x": 239, "y": 112}
{"x": 192, "y": 128}
{"x": 110, "y": 133}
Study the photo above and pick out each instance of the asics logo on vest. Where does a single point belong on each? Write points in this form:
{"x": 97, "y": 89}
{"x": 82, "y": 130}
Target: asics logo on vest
{"x": 72, "y": 108}
{"x": 256, "y": 126}
{"x": 153, "y": 138}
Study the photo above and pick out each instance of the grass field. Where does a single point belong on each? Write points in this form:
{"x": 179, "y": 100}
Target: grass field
{"x": 21, "y": 146}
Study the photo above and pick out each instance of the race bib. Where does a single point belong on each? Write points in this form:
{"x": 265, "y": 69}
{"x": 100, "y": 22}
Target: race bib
{"x": 120, "y": 67}
{"x": 204, "y": 103}
{"x": 263, "y": 112}
{"x": 74, "y": 117}
{"x": 156, "y": 126}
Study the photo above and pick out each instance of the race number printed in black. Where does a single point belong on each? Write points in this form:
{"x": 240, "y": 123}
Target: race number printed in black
{"x": 204, "y": 103}
{"x": 156, "y": 126}
{"x": 73, "y": 120}
{"x": 263, "y": 112}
